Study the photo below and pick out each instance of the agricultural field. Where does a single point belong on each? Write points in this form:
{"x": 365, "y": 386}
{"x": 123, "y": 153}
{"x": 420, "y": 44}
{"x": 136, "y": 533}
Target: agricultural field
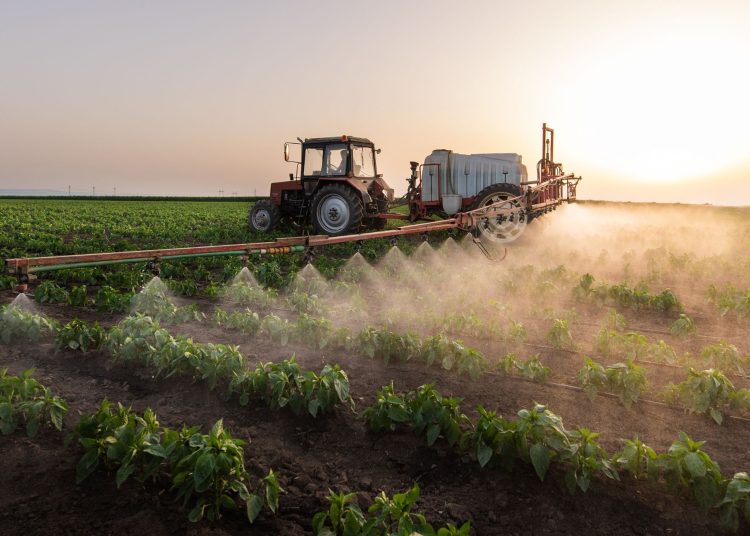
{"x": 593, "y": 381}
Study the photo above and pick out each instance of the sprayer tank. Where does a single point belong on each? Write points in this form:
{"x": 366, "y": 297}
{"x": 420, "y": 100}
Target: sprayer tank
{"x": 467, "y": 175}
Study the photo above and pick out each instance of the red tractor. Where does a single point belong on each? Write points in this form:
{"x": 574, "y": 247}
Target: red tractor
{"x": 338, "y": 190}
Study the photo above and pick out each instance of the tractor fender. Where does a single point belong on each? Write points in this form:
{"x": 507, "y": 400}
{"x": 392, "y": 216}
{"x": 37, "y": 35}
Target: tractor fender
{"x": 359, "y": 186}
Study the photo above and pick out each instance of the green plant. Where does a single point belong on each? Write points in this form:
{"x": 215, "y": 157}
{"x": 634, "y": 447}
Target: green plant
{"x": 592, "y": 378}
{"x": 212, "y": 468}
{"x": 154, "y": 302}
{"x": 627, "y": 381}
{"x": 640, "y": 460}
{"x": 283, "y": 384}
{"x": 279, "y": 330}
{"x": 49, "y": 292}
{"x": 532, "y": 368}
{"x": 559, "y": 334}
{"x": 707, "y": 391}
{"x": 249, "y": 295}
{"x": 245, "y": 321}
{"x": 517, "y": 332}
{"x": 724, "y": 356}
{"x": 78, "y": 296}
{"x": 269, "y": 274}
{"x": 540, "y": 438}
{"x": 303, "y": 302}
{"x": 206, "y": 470}
{"x": 426, "y": 412}
{"x": 683, "y": 326}
{"x": 492, "y": 439}
{"x": 110, "y": 300}
{"x": 80, "y": 335}
{"x": 23, "y": 400}
{"x": 17, "y": 324}
{"x": 386, "y": 345}
{"x": 736, "y": 499}
{"x": 686, "y": 465}
{"x": 386, "y": 516}
{"x": 616, "y": 321}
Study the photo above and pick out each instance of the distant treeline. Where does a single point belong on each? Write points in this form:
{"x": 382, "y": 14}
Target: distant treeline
{"x": 130, "y": 198}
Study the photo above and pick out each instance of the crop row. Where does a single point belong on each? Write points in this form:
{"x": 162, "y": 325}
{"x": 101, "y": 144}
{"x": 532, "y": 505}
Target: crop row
{"x": 206, "y": 472}
{"x": 140, "y": 338}
{"x": 137, "y": 446}
{"x": 538, "y": 438}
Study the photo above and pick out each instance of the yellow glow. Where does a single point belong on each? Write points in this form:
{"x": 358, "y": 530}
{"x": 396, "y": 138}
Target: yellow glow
{"x": 658, "y": 105}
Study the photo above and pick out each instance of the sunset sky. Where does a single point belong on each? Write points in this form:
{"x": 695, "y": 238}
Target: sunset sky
{"x": 649, "y": 100}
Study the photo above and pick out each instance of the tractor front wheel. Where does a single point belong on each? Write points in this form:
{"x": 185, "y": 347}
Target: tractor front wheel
{"x": 337, "y": 210}
{"x": 264, "y": 216}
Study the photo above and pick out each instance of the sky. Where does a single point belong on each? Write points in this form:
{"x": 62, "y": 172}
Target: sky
{"x": 648, "y": 99}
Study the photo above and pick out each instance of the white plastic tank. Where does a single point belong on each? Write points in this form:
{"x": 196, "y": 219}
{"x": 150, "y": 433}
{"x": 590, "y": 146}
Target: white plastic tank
{"x": 467, "y": 175}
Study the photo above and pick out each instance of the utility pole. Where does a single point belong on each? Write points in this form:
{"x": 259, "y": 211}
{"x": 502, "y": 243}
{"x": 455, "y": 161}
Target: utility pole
{"x": 68, "y": 190}
{"x": 93, "y": 190}
{"x": 115, "y": 191}
{"x": 221, "y": 193}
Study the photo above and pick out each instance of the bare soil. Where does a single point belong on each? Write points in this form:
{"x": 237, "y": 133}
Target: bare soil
{"x": 39, "y": 495}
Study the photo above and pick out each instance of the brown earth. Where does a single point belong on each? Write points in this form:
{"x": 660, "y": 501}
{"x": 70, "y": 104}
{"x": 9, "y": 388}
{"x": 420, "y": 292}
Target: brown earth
{"x": 336, "y": 451}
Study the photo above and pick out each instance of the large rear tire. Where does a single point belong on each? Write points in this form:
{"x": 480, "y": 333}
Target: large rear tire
{"x": 336, "y": 210}
{"x": 264, "y": 216}
{"x": 501, "y": 229}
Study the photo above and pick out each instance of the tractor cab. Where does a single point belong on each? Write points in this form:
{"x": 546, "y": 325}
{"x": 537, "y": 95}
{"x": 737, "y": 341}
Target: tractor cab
{"x": 336, "y": 187}
{"x": 334, "y": 158}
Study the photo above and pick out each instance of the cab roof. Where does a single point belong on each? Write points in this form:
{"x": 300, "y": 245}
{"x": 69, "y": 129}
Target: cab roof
{"x": 338, "y": 139}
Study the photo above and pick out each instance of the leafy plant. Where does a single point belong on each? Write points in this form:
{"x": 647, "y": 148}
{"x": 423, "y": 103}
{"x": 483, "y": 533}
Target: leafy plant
{"x": 532, "y": 368}
{"x": 686, "y": 465}
{"x": 627, "y": 381}
{"x": 724, "y": 356}
{"x": 18, "y": 325}
{"x": 78, "y": 296}
{"x": 205, "y": 470}
{"x": 49, "y": 292}
{"x": 249, "y": 295}
{"x": 736, "y": 499}
{"x": 559, "y": 334}
{"x": 707, "y": 391}
{"x": 79, "y": 335}
{"x": 110, "y": 300}
{"x": 386, "y": 516}
{"x": 424, "y": 410}
{"x": 283, "y": 384}
{"x": 517, "y": 332}
{"x": 386, "y": 345}
{"x": 640, "y": 460}
{"x": 683, "y": 326}
{"x": 23, "y": 400}
{"x": 245, "y": 321}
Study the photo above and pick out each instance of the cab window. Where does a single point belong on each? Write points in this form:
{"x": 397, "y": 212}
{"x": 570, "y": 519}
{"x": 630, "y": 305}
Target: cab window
{"x": 336, "y": 160}
{"x": 363, "y": 161}
{"x": 313, "y": 161}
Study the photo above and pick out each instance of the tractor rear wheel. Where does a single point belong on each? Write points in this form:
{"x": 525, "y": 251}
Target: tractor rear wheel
{"x": 264, "y": 216}
{"x": 336, "y": 210}
{"x": 501, "y": 229}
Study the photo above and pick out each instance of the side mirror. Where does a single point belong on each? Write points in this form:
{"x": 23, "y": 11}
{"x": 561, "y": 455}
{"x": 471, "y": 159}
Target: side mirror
{"x": 377, "y": 151}
{"x": 286, "y": 151}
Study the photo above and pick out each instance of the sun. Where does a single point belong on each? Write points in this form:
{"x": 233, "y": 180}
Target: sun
{"x": 660, "y": 108}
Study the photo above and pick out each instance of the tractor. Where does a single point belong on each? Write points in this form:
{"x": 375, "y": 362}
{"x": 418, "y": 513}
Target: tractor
{"x": 337, "y": 189}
